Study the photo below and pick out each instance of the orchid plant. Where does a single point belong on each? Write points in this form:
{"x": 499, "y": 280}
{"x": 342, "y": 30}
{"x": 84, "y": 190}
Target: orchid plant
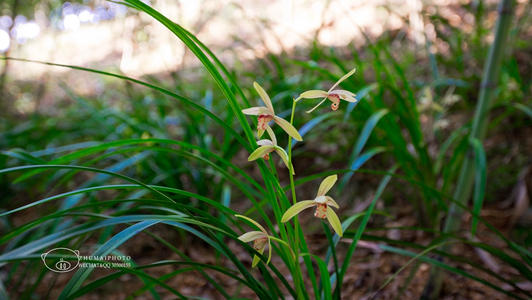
{"x": 324, "y": 204}
{"x": 333, "y": 95}
{"x": 259, "y": 239}
{"x": 266, "y": 114}
{"x": 269, "y": 146}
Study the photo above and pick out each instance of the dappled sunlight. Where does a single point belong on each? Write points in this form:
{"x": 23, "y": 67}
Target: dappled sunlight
{"x": 5, "y": 41}
{"x": 247, "y": 30}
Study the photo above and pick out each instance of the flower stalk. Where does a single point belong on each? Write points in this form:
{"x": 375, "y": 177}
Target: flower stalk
{"x": 291, "y": 237}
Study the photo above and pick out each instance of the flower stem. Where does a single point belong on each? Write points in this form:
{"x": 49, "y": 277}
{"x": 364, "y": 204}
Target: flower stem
{"x": 298, "y": 280}
{"x": 292, "y": 185}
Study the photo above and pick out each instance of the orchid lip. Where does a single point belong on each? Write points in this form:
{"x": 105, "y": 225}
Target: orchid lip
{"x": 333, "y": 96}
{"x": 321, "y": 211}
{"x": 260, "y": 243}
{"x": 264, "y": 120}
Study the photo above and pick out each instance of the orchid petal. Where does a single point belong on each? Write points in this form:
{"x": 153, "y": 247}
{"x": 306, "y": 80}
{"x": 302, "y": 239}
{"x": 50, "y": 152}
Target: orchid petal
{"x": 331, "y": 202}
{"x": 251, "y": 236}
{"x": 257, "y": 111}
{"x": 260, "y": 152}
{"x": 348, "y": 98}
{"x": 312, "y": 109}
{"x": 255, "y": 262}
{"x": 264, "y": 96}
{"x": 284, "y": 157}
{"x": 288, "y": 128}
{"x": 343, "y": 78}
{"x": 296, "y": 208}
{"x": 326, "y": 185}
{"x": 344, "y": 92}
{"x": 313, "y": 94}
{"x": 272, "y": 135}
{"x": 346, "y": 95}
{"x": 252, "y": 222}
{"x": 334, "y": 221}
{"x": 265, "y": 143}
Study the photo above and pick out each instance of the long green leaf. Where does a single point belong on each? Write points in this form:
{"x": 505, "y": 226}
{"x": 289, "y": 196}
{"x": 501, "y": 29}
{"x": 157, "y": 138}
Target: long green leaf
{"x": 81, "y": 275}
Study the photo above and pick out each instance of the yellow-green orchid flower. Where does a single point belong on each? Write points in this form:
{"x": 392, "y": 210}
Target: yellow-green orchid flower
{"x": 331, "y": 94}
{"x": 267, "y": 147}
{"x": 266, "y": 114}
{"x": 259, "y": 239}
{"x": 323, "y": 205}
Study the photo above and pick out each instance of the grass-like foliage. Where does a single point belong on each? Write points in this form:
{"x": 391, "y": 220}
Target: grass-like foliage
{"x": 130, "y": 179}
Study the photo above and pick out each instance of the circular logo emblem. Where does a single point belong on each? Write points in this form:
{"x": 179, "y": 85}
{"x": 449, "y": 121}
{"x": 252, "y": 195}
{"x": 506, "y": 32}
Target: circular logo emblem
{"x": 61, "y": 260}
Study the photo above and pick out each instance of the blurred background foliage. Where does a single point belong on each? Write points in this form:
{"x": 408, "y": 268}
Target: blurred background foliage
{"x": 418, "y": 78}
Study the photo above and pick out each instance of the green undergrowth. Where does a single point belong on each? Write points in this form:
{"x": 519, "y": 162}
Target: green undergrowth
{"x": 141, "y": 154}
